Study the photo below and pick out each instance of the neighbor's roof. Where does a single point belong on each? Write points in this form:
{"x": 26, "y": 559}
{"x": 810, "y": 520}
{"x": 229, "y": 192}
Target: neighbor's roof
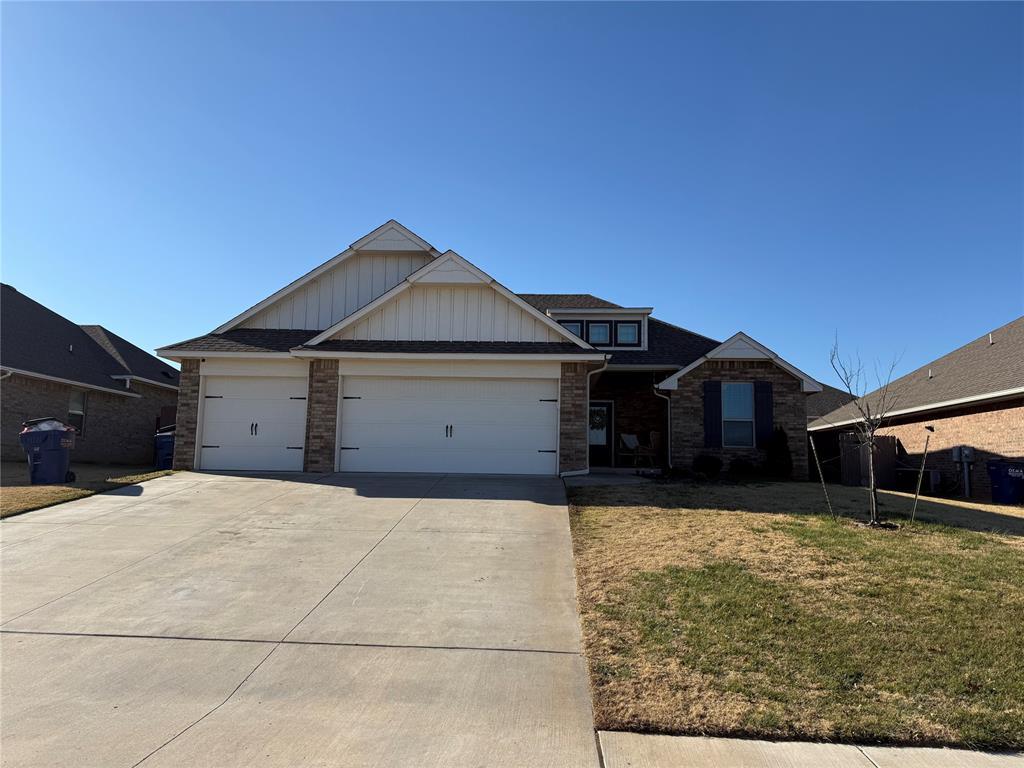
{"x": 989, "y": 367}
{"x": 37, "y": 340}
{"x": 826, "y": 401}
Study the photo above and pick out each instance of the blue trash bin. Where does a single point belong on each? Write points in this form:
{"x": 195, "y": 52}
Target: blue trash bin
{"x": 163, "y": 447}
{"x": 1007, "y": 481}
{"x": 48, "y": 443}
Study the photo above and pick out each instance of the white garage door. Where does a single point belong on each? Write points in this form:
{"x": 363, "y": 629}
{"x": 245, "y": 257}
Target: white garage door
{"x": 505, "y": 426}
{"x": 253, "y": 423}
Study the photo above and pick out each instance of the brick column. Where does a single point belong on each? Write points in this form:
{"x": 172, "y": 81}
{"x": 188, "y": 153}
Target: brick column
{"x": 187, "y": 419}
{"x": 321, "y": 416}
{"x": 572, "y": 418}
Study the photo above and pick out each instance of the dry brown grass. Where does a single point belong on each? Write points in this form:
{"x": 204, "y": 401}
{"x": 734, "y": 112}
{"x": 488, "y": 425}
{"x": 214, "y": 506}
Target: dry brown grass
{"x": 17, "y": 496}
{"x": 674, "y": 578}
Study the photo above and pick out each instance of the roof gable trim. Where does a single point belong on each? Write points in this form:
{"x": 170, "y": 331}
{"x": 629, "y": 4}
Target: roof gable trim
{"x": 390, "y": 227}
{"x": 740, "y": 346}
{"x": 448, "y": 267}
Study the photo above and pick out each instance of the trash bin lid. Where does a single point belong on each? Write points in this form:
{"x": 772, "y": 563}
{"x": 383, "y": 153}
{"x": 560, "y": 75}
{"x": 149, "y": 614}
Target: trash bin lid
{"x": 45, "y": 424}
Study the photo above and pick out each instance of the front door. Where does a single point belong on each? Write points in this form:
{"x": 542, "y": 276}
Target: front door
{"x": 600, "y": 434}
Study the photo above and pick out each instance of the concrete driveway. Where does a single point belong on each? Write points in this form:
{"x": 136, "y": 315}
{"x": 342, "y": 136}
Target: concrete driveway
{"x": 342, "y": 620}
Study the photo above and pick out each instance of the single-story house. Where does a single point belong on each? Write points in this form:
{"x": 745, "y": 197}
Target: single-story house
{"x": 393, "y": 356}
{"x": 972, "y": 397}
{"x": 114, "y": 394}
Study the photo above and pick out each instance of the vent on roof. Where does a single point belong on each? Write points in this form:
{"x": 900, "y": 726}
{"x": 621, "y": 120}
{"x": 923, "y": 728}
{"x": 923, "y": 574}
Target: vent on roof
{"x": 990, "y": 340}
{"x": 929, "y": 373}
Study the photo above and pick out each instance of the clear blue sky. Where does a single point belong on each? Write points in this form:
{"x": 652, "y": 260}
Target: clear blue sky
{"x": 789, "y": 170}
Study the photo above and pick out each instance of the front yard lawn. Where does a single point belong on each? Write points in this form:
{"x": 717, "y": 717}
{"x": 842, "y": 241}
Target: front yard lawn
{"x": 17, "y": 496}
{"x": 742, "y": 610}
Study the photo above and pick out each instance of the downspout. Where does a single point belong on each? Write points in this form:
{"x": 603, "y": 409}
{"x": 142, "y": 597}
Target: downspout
{"x": 668, "y": 429}
{"x": 589, "y": 375}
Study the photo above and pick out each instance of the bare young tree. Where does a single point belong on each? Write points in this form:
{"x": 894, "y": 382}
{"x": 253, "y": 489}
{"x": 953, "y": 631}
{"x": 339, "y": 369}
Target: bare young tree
{"x": 871, "y": 410}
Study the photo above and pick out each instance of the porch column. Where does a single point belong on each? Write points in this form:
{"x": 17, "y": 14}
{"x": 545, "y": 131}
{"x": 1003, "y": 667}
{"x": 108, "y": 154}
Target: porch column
{"x": 187, "y": 418}
{"x": 572, "y": 418}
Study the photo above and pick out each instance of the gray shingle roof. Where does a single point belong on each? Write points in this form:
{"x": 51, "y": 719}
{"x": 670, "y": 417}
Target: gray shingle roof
{"x": 245, "y": 340}
{"x": 974, "y": 370}
{"x": 546, "y": 301}
{"x": 826, "y": 401}
{"x": 36, "y": 339}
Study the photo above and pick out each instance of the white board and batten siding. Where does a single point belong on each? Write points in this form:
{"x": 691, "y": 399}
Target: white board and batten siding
{"x": 451, "y": 313}
{"x": 460, "y": 425}
{"x": 339, "y": 292}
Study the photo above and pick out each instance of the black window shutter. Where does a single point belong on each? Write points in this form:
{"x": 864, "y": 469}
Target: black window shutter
{"x": 764, "y": 418}
{"x": 712, "y": 414}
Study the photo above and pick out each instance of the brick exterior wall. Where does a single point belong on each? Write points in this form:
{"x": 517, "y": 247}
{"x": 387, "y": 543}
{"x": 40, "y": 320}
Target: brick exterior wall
{"x": 188, "y": 415}
{"x": 789, "y": 412}
{"x": 321, "y": 416}
{"x": 118, "y": 429}
{"x": 994, "y": 431}
{"x": 572, "y": 418}
{"x": 637, "y": 410}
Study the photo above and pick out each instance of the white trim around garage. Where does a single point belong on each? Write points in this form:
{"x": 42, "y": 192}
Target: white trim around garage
{"x": 311, "y": 353}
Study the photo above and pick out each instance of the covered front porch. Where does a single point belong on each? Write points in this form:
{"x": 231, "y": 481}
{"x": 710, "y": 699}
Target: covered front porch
{"x": 628, "y": 419}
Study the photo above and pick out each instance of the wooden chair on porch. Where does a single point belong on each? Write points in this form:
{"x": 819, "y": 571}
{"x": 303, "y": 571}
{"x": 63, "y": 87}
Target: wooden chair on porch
{"x": 633, "y": 449}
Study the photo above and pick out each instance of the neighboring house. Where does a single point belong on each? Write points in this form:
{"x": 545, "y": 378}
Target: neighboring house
{"x": 973, "y": 397}
{"x": 112, "y": 392}
{"x": 393, "y": 356}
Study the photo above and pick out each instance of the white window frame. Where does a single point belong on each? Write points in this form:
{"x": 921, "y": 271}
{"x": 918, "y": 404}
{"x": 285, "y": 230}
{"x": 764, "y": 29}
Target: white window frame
{"x": 578, "y": 323}
{"x": 610, "y": 325}
{"x": 752, "y": 419}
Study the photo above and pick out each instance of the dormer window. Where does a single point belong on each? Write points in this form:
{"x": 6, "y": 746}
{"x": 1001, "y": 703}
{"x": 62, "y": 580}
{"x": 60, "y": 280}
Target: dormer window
{"x": 627, "y": 333}
{"x": 599, "y": 332}
{"x": 572, "y": 326}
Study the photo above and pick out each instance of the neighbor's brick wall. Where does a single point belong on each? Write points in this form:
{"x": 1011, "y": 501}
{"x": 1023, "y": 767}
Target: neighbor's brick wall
{"x": 188, "y": 415}
{"x": 789, "y": 407}
{"x": 638, "y": 411}
{"x": 994, "y": 433}
{"x": 321, "y": 416}
{"x": 572, "y": 418}
{"x": 118, "y": 429}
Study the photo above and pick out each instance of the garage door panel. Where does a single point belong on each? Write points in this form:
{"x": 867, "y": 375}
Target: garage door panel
{"x": 498, "y": 425}
{"x": 233, "y": 457}
{"x": 256, "y": 387}
{"x": 254, "y": 423}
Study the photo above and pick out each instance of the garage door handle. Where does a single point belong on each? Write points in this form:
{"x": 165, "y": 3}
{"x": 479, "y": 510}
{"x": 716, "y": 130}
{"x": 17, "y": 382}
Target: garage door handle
{"x": 257, "y": 429}
{"x": 251, "y": 425}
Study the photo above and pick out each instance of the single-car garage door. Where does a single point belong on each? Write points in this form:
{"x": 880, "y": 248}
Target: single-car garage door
{"x": 506, "y": 426}
{"x": 253, "y": 422}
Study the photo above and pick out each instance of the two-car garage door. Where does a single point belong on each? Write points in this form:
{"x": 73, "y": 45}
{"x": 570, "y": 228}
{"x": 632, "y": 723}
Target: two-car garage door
{"x": 395, "y": 424}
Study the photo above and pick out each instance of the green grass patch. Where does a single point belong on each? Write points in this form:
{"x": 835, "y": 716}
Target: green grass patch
{"x": 702, "y": 620}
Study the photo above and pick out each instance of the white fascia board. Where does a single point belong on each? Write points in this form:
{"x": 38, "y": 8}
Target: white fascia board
{"x": 45, "y": 377}
{"x": 392, "y": 224}
{"x": 163, "y": 384}
{"x": 807, "y": 384}
{"x": 413, "y": 278}
{"x": 600, "y": 311}
{"x": 312, "y": 353}
{"x": 972, "y": 400}
{"x": 316, "y": 272}
{"x": 177, "y": 355}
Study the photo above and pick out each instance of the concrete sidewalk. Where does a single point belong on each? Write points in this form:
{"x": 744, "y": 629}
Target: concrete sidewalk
{"x": 635, "y": 750}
